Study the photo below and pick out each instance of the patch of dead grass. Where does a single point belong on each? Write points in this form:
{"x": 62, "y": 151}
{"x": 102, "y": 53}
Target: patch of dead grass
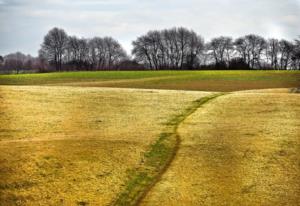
{"x": 68, "y": 145}
{"x": 241, "y": 149}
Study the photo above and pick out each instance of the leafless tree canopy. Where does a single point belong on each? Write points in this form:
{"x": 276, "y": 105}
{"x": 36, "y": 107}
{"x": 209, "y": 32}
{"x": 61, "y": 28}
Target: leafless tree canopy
{"x": 250, "y": 48}
{"x": 54, "y": 46}
{"x": 179, "y": 48}
{"x": 221, "y": 49}
{"x": 176, "y": 48}
{"x": 72, "y": 52}
{"x": 253, "y": 52}
{"x": 19, "y": 62}
{"x": 105, "y": 53}
{"x": 296, "y": 54}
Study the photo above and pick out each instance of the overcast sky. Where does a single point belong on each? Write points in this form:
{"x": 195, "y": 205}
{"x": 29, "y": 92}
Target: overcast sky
{"x": 23, "y": 23}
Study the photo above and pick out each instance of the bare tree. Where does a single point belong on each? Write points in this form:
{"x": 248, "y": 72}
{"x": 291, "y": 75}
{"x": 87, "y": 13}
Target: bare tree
{"x": 196, "y": 46}
{"x": 114, "y": 53}
{"x": 221, "y": 49}
{"x": 97, "y": 52}
{"x": 142, "y": 51}
{"x": 105, "y": 53}
{"x": 296, "y": 54}
{"x": 251, "y": 48}
{"x": 83, "y": 50}
{"x": 286, "y": 52}
{"x": 174, "y": 48}
{"x": 54, "y": 46}
{"x": 77, "y": 52}
{"x": 72, "y": 49}
{"x": 183, "y": 39}
{"x": 1, "y": 61}
{"x": 242, "y": 49}
{"x": 15, "y": 61}
{"x": 273, "y": 53}
{"x": 18, "y": 62}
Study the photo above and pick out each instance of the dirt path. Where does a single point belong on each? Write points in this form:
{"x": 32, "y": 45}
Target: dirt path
{"x": 241, "y": 149}
{"x": 157, "y": 159}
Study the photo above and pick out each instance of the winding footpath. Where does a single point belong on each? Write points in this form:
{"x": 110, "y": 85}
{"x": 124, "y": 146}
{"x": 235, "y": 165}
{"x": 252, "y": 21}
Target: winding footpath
{"x": 157, "y": 159}
{"x": 240, "y": 149}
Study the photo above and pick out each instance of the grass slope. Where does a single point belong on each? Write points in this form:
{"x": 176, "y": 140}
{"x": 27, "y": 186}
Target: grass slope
{"x": 182, "y": 80}
{"x": 76, "y": 146}
{"x": 157, "y": 159}
{"x": 241, "y": 149}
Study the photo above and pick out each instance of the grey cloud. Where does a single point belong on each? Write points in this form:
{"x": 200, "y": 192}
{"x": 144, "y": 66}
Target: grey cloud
{"x": 24, "y": 22}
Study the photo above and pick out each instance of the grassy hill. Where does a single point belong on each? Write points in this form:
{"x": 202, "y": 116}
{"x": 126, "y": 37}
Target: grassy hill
{"x": 177, "y": 80}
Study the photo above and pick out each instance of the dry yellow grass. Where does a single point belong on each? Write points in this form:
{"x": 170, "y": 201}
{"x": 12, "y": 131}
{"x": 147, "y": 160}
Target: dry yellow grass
{"x": 68, "y": 145}
{"x": 240, "y": 149}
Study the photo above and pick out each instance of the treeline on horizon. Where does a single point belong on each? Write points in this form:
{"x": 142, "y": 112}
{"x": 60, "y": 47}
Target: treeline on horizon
{"x": 169, "y": 49}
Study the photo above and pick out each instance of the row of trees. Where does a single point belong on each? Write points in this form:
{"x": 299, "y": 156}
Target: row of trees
{"x": 16, "y": 62}
{"x": 72, "y": 52}
{"x": 179, "y": 48}
{"x": 169, "y": 49}
{"x": 255, "y": 52}
{"x": 176, "y": 48}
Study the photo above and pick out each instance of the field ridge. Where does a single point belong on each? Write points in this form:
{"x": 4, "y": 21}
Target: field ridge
{"x": 157, "y": 159}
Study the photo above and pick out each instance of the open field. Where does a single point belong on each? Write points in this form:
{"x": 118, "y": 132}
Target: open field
{"x": 63, "y": 145}
{"x": 241, "y": 149}
{"x": 66, "y": 140}
{"x": 223, "y": 81}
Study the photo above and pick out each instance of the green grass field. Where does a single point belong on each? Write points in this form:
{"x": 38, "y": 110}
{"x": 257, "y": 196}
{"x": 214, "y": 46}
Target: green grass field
{"x": 67, "y": 139}
{"x": 182, "y": 80}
